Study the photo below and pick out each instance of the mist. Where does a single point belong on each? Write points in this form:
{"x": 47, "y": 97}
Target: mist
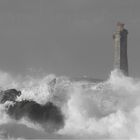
{"x": 57, "y": 107}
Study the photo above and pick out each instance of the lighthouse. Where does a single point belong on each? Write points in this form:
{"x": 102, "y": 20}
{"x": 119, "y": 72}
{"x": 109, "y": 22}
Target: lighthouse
{"x": 120, "y": 48}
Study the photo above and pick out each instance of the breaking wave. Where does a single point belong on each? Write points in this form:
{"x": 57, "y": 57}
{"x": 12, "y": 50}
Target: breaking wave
{"x": 57, "y": 107}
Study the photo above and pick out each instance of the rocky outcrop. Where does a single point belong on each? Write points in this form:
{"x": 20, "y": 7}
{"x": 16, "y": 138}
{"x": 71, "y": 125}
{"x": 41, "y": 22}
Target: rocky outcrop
{"x": 49, "y": 116}
{"x": 9, "y": 95}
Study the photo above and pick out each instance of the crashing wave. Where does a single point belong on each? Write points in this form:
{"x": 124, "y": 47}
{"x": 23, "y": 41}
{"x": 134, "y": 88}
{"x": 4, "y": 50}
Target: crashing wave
{"x": 52, "y": 107}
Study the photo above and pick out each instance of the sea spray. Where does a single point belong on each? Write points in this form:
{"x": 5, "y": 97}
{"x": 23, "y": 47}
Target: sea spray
{"x": 105, "y": 109}
{"x": 108, "y": 109}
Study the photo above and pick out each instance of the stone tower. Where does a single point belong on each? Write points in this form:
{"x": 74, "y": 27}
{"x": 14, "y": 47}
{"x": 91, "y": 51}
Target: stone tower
{"x": 120, "y": 42}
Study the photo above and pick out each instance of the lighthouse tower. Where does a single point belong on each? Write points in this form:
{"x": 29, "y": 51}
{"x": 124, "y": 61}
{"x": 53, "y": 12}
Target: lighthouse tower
{"x": 120, "y": 48}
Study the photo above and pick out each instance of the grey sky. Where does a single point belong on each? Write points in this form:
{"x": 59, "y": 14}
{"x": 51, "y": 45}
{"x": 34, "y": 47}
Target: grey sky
{"x": 66, "y": 37}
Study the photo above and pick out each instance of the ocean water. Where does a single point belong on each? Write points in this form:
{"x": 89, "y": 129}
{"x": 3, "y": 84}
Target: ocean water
{"x": 57, "y": 107}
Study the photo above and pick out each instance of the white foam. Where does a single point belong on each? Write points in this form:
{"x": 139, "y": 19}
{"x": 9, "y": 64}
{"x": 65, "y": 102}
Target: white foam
{"x": 109, "y": 109}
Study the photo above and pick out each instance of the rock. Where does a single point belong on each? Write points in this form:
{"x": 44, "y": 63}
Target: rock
{"x": 49, "y": 116}
{"x": 9, "y": 95}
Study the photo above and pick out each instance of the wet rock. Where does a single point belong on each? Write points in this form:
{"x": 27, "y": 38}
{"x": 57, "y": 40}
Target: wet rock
{"x": 49, "y": 116}
{"x": 9, "y": 95}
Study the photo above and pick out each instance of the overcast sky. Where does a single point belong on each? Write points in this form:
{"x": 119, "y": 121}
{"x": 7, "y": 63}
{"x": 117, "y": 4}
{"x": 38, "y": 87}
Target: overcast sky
{"x": 66, "y": 37}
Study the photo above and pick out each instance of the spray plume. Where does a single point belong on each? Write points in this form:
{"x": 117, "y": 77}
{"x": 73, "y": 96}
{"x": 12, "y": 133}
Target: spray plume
{"x": 58, "y": 107}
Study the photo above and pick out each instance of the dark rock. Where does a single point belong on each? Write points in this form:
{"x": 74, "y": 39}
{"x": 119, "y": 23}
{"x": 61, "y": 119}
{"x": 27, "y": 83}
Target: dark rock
{"x": 9, "y": 95}
{"x": 49, "y": 116}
